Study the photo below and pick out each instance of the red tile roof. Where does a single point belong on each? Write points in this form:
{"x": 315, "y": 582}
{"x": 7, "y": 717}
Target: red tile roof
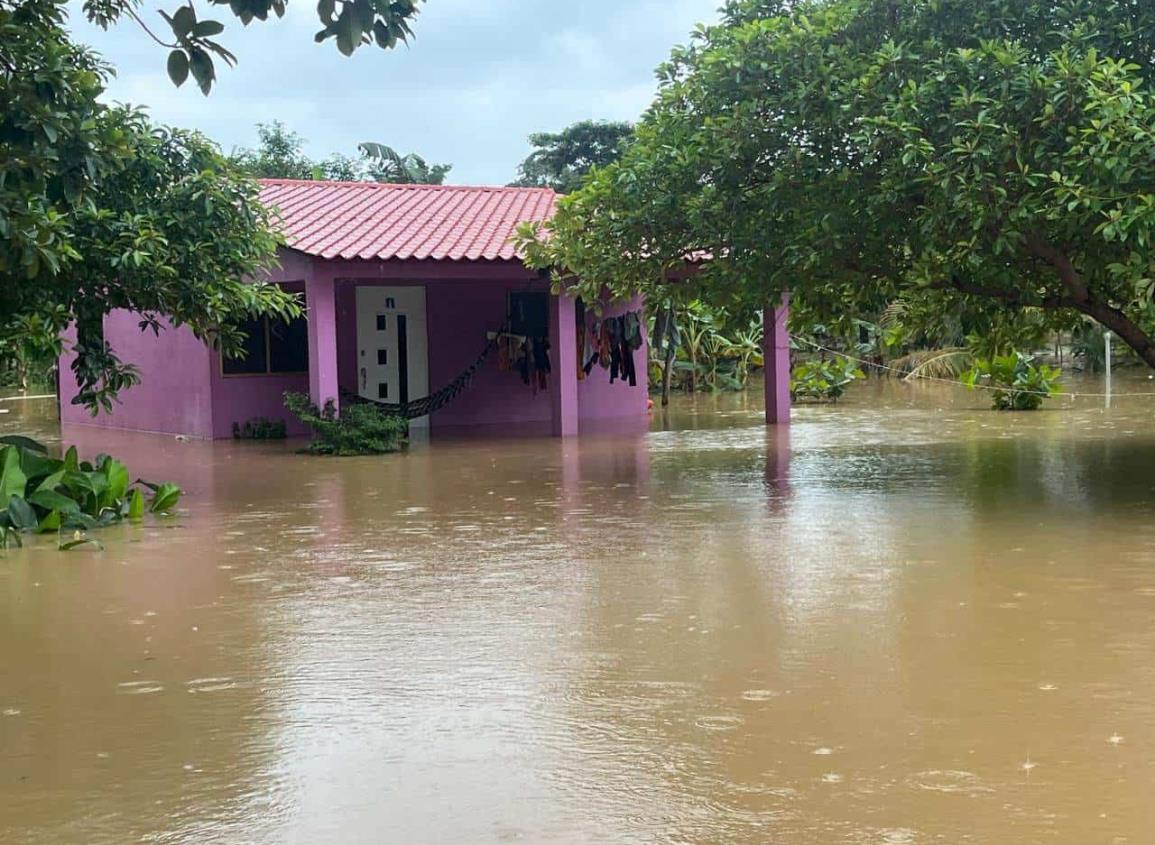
{"x": 376, "y": 221}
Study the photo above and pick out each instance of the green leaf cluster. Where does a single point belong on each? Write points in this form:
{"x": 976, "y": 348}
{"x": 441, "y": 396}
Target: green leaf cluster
{"x": 360, "y": 428}
{"x": 100, "y": 209}
{"x": 40, "y": 493}
{"x": 193, "y": 43}
{"x": 1018, "y": 382}
{"x": 823, "y": 380}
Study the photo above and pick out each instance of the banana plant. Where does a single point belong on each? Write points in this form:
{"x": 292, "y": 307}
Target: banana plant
{"x": 41, "y": 494}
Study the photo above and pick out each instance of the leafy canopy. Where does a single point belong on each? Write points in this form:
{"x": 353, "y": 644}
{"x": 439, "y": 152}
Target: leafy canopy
{"x": 192, "y": 41}
{"x": 976, "y": 156}
{"x": 100, "y": 210}
{"x": 561, "y": 160}
{"x": 280, "y": 155}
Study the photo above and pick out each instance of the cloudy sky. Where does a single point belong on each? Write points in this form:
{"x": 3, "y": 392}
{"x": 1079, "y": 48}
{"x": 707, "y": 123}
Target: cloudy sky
{"x": 480, "y": 76}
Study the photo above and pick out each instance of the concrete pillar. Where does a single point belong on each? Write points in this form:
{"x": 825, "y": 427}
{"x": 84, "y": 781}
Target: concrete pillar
{"x": 563, "y": 380}
{"x": 776, "y": 356}
{"x": 321, "y": 304}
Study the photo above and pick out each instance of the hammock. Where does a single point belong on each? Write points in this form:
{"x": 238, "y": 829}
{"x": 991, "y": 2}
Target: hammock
{"x": 435, "y": 401}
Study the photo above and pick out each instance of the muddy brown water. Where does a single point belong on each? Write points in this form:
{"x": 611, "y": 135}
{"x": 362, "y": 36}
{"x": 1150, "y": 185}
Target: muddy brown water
{"x": 908, "y": 620}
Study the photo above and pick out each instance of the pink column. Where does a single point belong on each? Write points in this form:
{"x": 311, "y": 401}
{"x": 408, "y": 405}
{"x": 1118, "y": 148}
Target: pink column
{"x": 563, "y": 381}
{"x": 776, "y": 356}
{"x": 321, "y": 303}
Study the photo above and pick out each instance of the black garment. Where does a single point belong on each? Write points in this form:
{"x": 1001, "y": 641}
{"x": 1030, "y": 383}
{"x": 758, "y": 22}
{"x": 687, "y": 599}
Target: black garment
{"x": 616, "y": 365}
{"x": 627, "y": 363}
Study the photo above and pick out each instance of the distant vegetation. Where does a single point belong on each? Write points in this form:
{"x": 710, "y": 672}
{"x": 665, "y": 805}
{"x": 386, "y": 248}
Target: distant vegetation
{"x": 280, "y": 154}
{"x": 562, "y": 160}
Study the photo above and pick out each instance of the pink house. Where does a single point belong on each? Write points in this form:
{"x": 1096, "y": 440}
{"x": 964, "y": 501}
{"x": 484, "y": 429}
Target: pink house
{"x": 404, "y": 286}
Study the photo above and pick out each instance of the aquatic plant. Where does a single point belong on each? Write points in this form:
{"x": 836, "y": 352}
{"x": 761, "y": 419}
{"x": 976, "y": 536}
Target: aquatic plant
{"x": 823, "y": 380}
{"x": 260, "y": 428}
{"x": 41, "y": 494}
{"x": 1018, "y": 382}
{"x": 360, "y": 429}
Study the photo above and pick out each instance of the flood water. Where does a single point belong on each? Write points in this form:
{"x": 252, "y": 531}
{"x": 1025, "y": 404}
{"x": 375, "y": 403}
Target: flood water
{"x": 907, "y": 620}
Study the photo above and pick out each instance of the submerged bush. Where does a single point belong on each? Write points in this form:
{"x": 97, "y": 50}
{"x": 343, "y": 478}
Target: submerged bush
{"x": 260, "y": 428}
{"x": 360, "y": 429}
{"x": 823, "y": 381}
{"x": 1019, "y": 384}
{"x": 40, "y": 494}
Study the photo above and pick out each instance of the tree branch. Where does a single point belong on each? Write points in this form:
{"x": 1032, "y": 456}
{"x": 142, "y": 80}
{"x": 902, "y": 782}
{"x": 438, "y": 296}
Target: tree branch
{"x": 151, "y": 34}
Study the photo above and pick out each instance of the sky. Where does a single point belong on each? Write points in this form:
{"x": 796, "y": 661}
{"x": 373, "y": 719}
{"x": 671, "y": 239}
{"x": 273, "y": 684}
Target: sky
{"x": 479, "y": 77}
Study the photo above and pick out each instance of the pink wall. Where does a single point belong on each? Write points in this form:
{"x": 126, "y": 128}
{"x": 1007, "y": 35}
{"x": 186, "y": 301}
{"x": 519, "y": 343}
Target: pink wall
{"x": 238, "y": 399}
{"x": 174, "y": 396}
{"x": 600, "y": 400}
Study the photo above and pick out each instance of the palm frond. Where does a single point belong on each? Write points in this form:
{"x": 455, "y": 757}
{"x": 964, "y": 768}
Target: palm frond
{"x": 934, "y": 363}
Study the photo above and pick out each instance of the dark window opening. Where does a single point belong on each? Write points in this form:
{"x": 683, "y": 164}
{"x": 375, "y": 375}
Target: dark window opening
{"x": 529, "y": 313}
{"x": 271, "y": 346}
{"x": 381, "y": 322}
{"x": 382, "y": 357}
{"x": 390, "y": 302}
{"x": 383, "y": 390}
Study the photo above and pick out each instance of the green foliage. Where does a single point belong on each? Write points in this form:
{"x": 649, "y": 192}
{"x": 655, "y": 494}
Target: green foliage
{"x": 102, "y": 210}
{"x": 561, "y": 160}
{"x": 977, "y": 157}
{"x": 705, "y": 348}
{"x": 280, "y": 155}
{"x": 260, "y": 428}
{"x": 41, "y": 494}
{"x": 360, "y": 429}
{"x": 823, "y": 380}
{"x": 193, "y": 43}
{"x": 384, "y": 164}
{"x": 1018, "y": 382}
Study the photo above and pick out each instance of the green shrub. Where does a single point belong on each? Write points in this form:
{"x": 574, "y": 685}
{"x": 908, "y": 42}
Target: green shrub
{"x": 1019, "y": 384}
{"x": 260, "y": 428}
{"x": 39, "y": 493}
{"x": 823, "y": 381}
{"x": 360, "y": 429}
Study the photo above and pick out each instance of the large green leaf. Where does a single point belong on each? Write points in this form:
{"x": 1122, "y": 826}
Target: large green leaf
{"x": 165, "y": 499}
{"x": 23, "y": 442}
{"x": 117, "y": 475}
{"x": 136, "y": 505}
{"x": 12, "y": 477}
{"x": 21, "y": 515}
{"x": 52, "y": 501}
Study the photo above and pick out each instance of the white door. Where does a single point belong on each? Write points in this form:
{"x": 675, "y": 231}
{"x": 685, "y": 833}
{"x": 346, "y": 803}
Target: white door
{"x": 392, "y": 345}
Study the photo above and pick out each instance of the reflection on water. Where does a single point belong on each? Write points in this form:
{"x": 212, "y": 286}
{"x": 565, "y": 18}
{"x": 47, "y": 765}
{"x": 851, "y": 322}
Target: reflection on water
{"x": 904, "y": 620}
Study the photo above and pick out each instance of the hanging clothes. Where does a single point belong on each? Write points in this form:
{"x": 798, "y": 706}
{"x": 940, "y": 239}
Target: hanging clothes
{"x": 541, "y": 363}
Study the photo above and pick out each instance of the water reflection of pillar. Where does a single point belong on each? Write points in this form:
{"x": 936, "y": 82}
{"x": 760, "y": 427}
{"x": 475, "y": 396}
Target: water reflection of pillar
{"x": 777, "y": 467}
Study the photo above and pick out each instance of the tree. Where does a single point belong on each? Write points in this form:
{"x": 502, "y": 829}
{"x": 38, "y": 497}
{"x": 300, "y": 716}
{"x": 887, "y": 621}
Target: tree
{"x": 561, "y": 160}
{"x": 280, "y": 155}
{"x": 384, "y": 164}
{"x": 193, "y": 43}
{"x": 101, "y": 210}
{"x": 981, "y": 157}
